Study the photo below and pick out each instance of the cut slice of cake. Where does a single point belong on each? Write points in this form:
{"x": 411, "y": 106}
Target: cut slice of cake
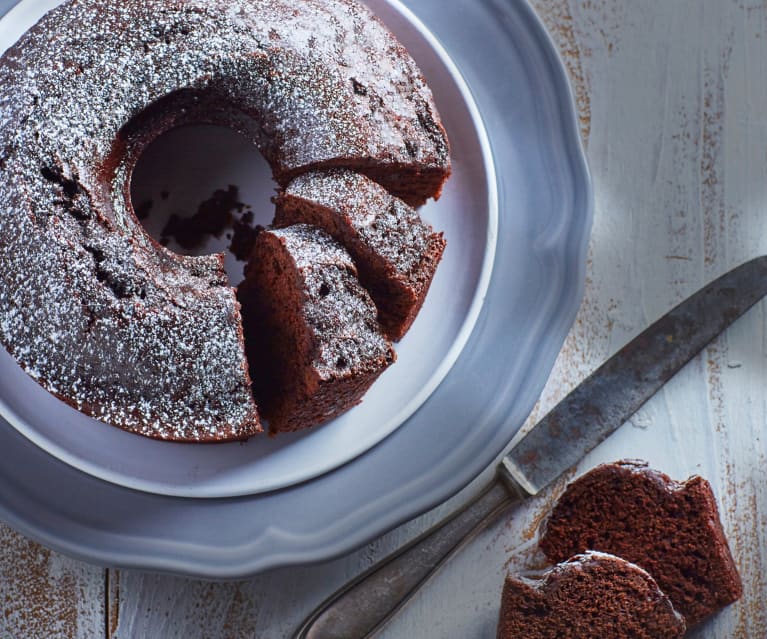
{"x": 313, "y": 340}
{"x": 591, "y": 596}
{"x": 396, "y": 253}
{"x": 670, "y": 529}
{"x": 91, "y": 307}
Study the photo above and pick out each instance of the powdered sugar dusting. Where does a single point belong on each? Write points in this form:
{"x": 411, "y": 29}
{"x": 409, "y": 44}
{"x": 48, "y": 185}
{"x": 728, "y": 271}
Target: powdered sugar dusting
{"x": 337, "y": 308}
{"x": 391, "y": 228}
{"x": 89, "y": 305}
{"x": 396, "y": 253}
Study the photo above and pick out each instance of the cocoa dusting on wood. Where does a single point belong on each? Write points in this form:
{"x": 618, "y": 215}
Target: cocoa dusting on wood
{"x": 44, "y": 594}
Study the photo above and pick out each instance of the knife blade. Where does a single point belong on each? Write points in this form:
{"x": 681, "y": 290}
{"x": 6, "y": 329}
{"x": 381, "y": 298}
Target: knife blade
{"x": 579, "y": 423}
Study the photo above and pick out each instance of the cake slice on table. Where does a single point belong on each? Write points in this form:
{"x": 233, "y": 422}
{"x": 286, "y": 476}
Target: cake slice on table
{"x": 313, "y": 340}
{"x": 396, "y": 253}
{"x": 591, "y": 596}
{"x": 670, "y": 529}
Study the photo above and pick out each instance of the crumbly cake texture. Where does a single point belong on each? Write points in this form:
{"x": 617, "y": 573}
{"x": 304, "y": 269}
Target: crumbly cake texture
{"x": 395, "y": 252}
{"x": 313, "y": 327}
{"x": 90, "y": 306}
{"x": 591, "y": 596}
{"x": 670, "y": 529}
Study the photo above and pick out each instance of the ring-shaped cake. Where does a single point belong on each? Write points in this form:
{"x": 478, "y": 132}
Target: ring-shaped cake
{"x": 90, "y": 306}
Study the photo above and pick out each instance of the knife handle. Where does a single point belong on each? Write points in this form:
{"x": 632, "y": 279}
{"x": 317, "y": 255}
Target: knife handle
{"x": 368, "y": 602}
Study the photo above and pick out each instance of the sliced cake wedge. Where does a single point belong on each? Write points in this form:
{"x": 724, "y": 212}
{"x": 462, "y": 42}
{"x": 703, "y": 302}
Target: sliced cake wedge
{"x": 670, "y": 529}
{"x": 396, "y": 252}
{"x": 590, "y": 596}
{"x": 314, "y": 343}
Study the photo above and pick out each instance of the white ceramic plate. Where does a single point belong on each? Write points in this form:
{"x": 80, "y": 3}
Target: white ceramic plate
{"x": 208, "y": 158}
{"x": 545, "y": 212}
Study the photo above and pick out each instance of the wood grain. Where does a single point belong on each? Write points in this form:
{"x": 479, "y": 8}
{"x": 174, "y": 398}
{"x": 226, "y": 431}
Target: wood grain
{"x": 674, "y": 97}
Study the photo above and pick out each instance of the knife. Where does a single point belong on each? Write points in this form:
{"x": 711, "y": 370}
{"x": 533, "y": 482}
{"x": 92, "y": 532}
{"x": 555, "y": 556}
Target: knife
{"x": 581, "y": 421}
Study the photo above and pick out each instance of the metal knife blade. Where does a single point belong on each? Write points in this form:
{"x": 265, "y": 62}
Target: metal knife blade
{"x": 580, "y": 422}
{"x": 617, "y": 389}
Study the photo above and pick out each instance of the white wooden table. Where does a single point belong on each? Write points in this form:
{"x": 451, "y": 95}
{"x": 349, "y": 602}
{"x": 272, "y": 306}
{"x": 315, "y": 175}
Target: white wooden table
{"x": 672, "y": 96}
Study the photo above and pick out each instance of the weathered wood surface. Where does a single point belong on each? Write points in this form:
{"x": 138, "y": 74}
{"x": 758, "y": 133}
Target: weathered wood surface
{"x": 673, "y": 104}
{"x": 44, "y": 594}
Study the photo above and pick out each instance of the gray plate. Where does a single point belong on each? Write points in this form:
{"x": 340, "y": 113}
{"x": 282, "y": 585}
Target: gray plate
{"x": 467, "y": 212}
{"x": 545, "y": 216}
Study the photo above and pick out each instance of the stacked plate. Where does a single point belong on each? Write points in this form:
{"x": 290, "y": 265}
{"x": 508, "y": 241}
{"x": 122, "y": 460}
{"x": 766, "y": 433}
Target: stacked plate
{"x": 516, "y": 215}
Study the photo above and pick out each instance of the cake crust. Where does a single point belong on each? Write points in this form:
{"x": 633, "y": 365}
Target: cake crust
{"x": 396, "y": 253}
{"x": 670, "y": 529}
{"x": 90, "y": 306}
{"x": 590, "y": 596}
{"x": 312, "y": 328}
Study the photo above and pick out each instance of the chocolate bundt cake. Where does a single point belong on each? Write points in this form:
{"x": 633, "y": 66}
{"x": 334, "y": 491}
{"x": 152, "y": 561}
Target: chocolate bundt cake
{"x": 591, "y": 596}
{"x": 313, "y": 328}
{"x": 92, "y": 308}
{"x": 670, "y": 529}
{"x": 395, "y": 252}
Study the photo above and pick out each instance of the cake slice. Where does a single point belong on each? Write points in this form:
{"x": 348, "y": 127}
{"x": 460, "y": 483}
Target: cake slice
{"x": 591, "y": 596}
{"x": 396, "y": 253}
{"x": 313, "y": 340}
{"x": 670, "y": 529}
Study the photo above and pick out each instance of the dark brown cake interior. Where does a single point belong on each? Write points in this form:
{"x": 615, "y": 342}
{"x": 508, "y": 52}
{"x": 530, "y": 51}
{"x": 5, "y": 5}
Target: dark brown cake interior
{"x": 592, "y": 596}
{"x": 312, "y": 329}
{"x": 670, "y": 529}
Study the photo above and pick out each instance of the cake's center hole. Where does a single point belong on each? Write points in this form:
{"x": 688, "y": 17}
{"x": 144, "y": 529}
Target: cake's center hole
{"x": 204, "y": 189}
